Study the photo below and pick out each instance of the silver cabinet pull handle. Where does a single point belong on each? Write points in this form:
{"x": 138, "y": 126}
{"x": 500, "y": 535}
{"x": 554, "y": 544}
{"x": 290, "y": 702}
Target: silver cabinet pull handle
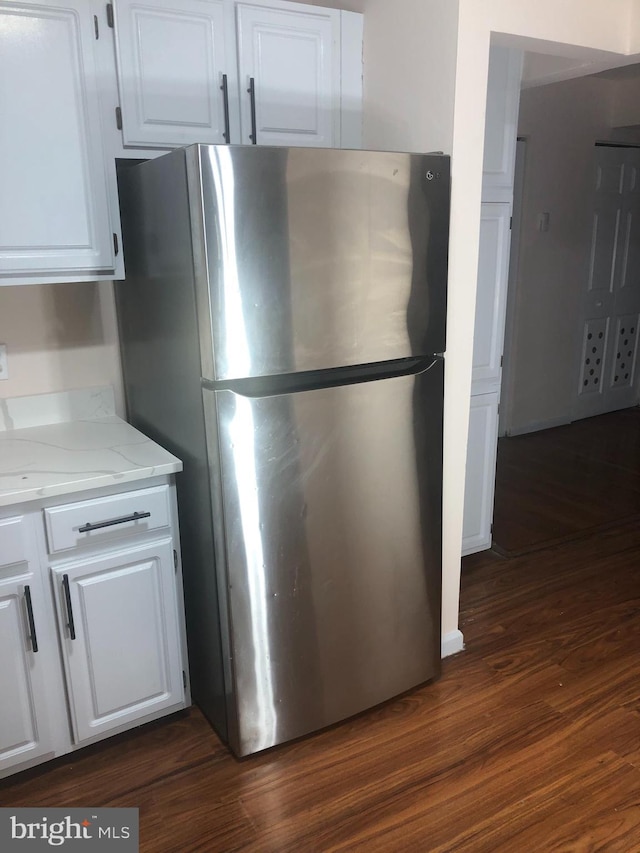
{"x": 123, "y": 520}
{"x": 31, "y": 620}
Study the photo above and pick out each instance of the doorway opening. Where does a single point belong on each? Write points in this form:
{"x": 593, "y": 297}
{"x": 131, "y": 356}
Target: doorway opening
{"x": 564, "y": 467}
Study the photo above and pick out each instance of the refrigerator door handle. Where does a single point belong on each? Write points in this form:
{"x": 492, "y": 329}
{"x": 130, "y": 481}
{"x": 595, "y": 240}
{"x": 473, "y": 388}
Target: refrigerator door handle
{"x": 314, "y": 380}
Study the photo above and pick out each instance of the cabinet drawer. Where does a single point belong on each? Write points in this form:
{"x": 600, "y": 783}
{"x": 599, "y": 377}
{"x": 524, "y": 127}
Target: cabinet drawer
{"x": 13, "y": 539}
{"x": 102, "y": 519}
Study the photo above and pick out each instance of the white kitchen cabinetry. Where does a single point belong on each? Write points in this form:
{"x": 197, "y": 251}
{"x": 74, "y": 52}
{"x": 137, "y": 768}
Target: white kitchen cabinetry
{"x": 481, "y": 470}
{"x": 501, "y": 123}
{"x": 26, "y": 648}
{"x": 491, "y": 296}
{"x": 272, "y": 73}
{"x": 105, "y": 628}
{"x": 118, "y": 619}
{"x": 57, "y": 220}
{"x": 282, "y": 107}
{"x": 503, "y": 98}
{"x": 172, "y": 60}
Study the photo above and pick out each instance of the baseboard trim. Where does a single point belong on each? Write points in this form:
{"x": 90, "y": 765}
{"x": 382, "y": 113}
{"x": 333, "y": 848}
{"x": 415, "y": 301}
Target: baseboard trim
{"x": 452, "y": 643}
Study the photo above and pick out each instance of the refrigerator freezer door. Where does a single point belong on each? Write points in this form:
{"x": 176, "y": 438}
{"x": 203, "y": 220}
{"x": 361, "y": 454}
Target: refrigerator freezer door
{"x": 319, "y": 258}
{"x": 332, "y": 513}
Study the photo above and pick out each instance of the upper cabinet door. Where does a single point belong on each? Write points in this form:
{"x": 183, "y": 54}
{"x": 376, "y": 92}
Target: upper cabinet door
{"x": 289, "y": 74}
{"x": 491, "y": 296}
{"x": 171, "y": 66}
{"x": 501, "y": 123}
{"x": 54, "y": 202}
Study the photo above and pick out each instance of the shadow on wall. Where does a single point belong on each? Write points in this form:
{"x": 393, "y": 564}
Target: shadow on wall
{"x": 33, "y": 317}
{"x": 58, "y": 336}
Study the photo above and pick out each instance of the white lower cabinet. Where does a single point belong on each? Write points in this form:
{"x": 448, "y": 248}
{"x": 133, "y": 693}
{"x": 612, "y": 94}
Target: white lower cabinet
{"x": 24, "y": 729}
{"x": 117, "y": 616}
{"x": 480, "y": 473}
{"x": 100, "y": 624}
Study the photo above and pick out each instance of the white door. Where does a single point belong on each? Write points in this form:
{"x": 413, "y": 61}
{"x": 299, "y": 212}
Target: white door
{"x": 611, "y": 304}
{"x": 289, "y": 74}
{"x": 54, "y": 214}
{"x": 491, "y": 296}
{"x": 118, "y": 622}
{"x": 173, "y": 72}
{"x": 480, "y": 473}
{"x": 24, "y": 730}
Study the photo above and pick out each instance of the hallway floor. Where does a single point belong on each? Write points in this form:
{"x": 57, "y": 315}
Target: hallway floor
{"x": 558, "y": 484}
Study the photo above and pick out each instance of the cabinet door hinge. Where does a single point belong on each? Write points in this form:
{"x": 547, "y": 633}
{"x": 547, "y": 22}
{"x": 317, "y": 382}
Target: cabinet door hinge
{"x": 184, "y": 679}
{"x": 510, "y": 223}
{"x": 175, "y": 559}
{"x": 501, "y": 360}
{"x": 110, "y": 15}
{"x": 118, "y": 118}
{"x": 96, "y": 26}
{"x": 116, "y": 247}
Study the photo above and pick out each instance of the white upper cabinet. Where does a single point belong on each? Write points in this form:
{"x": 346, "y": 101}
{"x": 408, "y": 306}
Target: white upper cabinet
{"x": 54, "y": 202}
{"x": 501, "y": 123}
{"x": 289, "y": 72}
{"x": 215, "y": 71}
{"x": 172, "y": 69}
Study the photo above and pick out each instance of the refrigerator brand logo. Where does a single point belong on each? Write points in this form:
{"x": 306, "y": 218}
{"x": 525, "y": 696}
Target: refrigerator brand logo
{"x": 74, "y": 829}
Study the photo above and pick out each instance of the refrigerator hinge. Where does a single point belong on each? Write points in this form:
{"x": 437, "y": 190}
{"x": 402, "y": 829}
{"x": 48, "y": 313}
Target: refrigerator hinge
{"x": 501, "y": 360}
{"x": 175, "y": 560}
{"x": 116, "y": 247}
{"x": 118, "y": 118}
{"x": 184, "y": 679}
{"x": 96, "y": 27}
{"x": 110, "y": 15}
{"x": 510, "y": 223}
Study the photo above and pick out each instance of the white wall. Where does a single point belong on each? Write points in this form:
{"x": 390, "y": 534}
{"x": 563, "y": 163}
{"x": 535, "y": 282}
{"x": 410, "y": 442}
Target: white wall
{"x": 626, "y": 100}
{"x": 409, "y": 61}
{"x": 58, "y": 337}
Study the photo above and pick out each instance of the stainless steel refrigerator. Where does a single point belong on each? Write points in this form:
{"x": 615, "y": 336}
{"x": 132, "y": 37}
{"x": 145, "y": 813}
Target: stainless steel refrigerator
{"x": 282, "y": 327}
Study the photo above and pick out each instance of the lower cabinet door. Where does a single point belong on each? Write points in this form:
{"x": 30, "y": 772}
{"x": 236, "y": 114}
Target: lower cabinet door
{"x": 24, "y": 732}
{"x": 119, "y": 627}
{"x": 481, "y": 473}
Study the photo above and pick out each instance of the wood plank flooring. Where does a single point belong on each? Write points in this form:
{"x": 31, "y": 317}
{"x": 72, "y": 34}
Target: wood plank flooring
{"x": 561, "y": 483}
{"x": 530, "y": 741}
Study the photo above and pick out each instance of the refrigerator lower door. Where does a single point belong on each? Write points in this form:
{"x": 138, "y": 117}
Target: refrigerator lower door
{"x": 331, "y": 504}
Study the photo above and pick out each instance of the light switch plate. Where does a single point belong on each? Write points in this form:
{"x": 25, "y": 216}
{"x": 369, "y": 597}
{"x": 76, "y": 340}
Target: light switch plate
{"x": 4, "y": 364}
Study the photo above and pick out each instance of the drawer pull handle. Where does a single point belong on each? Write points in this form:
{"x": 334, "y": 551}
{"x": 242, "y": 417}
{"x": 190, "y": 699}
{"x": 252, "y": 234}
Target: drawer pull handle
{"x": 32, "y": 623}
{"x": 125, "y": 518}
{"x": 67, "y": 599}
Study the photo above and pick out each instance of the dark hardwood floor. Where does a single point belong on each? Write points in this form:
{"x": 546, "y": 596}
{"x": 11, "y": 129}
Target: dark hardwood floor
{"x": 560, "y": 483}
{"x": 530, "y": 741}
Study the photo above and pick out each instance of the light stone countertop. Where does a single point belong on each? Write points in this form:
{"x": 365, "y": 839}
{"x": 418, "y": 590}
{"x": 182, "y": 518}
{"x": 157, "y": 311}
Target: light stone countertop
{"x": 60, "y": 458}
